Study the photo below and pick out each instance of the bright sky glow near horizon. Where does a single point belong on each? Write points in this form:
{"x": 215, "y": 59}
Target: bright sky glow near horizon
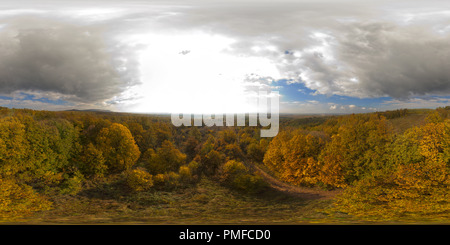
{"x": 336, "y": 56}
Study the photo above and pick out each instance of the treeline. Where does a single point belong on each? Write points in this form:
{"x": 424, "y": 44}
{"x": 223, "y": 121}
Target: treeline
{"x": 383, "y": 174}
{"x": 44, "y": 154}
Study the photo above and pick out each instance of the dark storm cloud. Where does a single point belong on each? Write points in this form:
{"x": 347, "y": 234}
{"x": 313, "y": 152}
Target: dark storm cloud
{"x": 40, "y": 54}
{"x": 379, "y": 59}
{"x": 399, "y": 61}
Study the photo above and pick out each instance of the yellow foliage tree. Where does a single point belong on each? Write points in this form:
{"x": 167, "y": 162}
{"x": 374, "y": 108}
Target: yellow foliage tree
{"x": 165, "y": 159}
{"x": 13, "y": 146}
{"x": 19, "y": 200}
{"x": 294, "y": 157}
{"x": 118, "y": 147}
{"x": 356, "y": 151}
{"x": 139, "y": 180}
{"x": 417, "y": 183}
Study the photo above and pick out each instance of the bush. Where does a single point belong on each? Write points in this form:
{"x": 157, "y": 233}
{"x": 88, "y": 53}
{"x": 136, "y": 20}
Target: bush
{"x": 237, "y": 176}
{"x": 165, "y": 159}
{"x": 185, "y": 174}
{"x": 139, "y": 180}
{"x": 189, "y": 173}
{"x": 169, "y": 180}
{"x": 249, "y": 183}
{"x": 73, "y": 184}
{"x": 159, "y": 179}
{"x": 194, "y": 167}
{"x": 172, "y": 180}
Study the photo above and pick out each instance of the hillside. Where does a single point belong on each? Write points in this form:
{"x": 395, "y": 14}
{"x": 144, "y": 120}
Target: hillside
{"x": 74, "y": 167}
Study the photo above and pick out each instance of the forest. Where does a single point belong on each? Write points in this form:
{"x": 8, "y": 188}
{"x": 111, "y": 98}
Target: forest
{"x": 106, "y": 167}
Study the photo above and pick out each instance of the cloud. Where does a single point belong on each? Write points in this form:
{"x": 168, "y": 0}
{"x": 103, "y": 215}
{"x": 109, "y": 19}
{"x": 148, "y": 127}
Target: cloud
{"x": 184, "y": 52}
{"x": 83, "y": 52}
{"x": 365, "y": 50}
{"x": 51, "y": 56}
{"x": 378, "y": 59}
{"x": 427, "y": 102}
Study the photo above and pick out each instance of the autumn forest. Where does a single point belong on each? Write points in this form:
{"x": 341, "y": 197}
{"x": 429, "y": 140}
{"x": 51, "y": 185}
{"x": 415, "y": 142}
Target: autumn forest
{"x": 106, "y": 167}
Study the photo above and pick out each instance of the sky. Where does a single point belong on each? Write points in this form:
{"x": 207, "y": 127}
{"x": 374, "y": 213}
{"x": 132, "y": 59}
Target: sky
{"x": 201, "y": 56}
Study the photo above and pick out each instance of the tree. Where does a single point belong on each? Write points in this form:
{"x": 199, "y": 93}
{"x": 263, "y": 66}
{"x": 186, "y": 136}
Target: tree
{"x": 162, "y": 132}
{"x": 211, "y": 162}
{"x": 118, "y": 147}
{"x": 417, "y": 181}
{"x": 191, "y": 147}
{"x": 13, "y": 146}
{"x": 275, "y": 157}
{"x": 91, "y": 161}
{"x": 256, "y": 152}
{"x": 166, "y": 158}
{"x": 294, "y": 157}
{"x": 356, "y": 150}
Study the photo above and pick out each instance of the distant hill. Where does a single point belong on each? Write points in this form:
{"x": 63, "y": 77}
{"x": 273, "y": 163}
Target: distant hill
{"x": 94, "y": 110}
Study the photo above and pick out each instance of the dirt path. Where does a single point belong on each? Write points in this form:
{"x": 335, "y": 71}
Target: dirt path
{"x": 301, "y": 192}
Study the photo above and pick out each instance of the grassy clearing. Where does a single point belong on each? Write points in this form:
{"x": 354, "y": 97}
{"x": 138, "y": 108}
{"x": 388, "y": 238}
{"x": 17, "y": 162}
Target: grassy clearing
{"x": 401, "y": 124}
{"x": 205, "y": 203}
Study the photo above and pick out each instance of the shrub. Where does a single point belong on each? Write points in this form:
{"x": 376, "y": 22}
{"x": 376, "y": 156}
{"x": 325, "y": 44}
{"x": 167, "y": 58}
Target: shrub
{"x": 166, "y": 158}
{"x": 73, "y": 184}
{"x": 189, "y": 173}
{"x": 159, "y": 179}
{"x": 185, "y": 174}
{"x": 168, "y": 181}
{"x": 172, "y": 180}
{"x": 194, "y": 167}
{"x": 139, "y": 180}
{"x": 237, "y": 176}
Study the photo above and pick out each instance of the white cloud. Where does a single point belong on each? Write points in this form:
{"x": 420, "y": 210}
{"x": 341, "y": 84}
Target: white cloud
{"x": 430, "y": 102}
